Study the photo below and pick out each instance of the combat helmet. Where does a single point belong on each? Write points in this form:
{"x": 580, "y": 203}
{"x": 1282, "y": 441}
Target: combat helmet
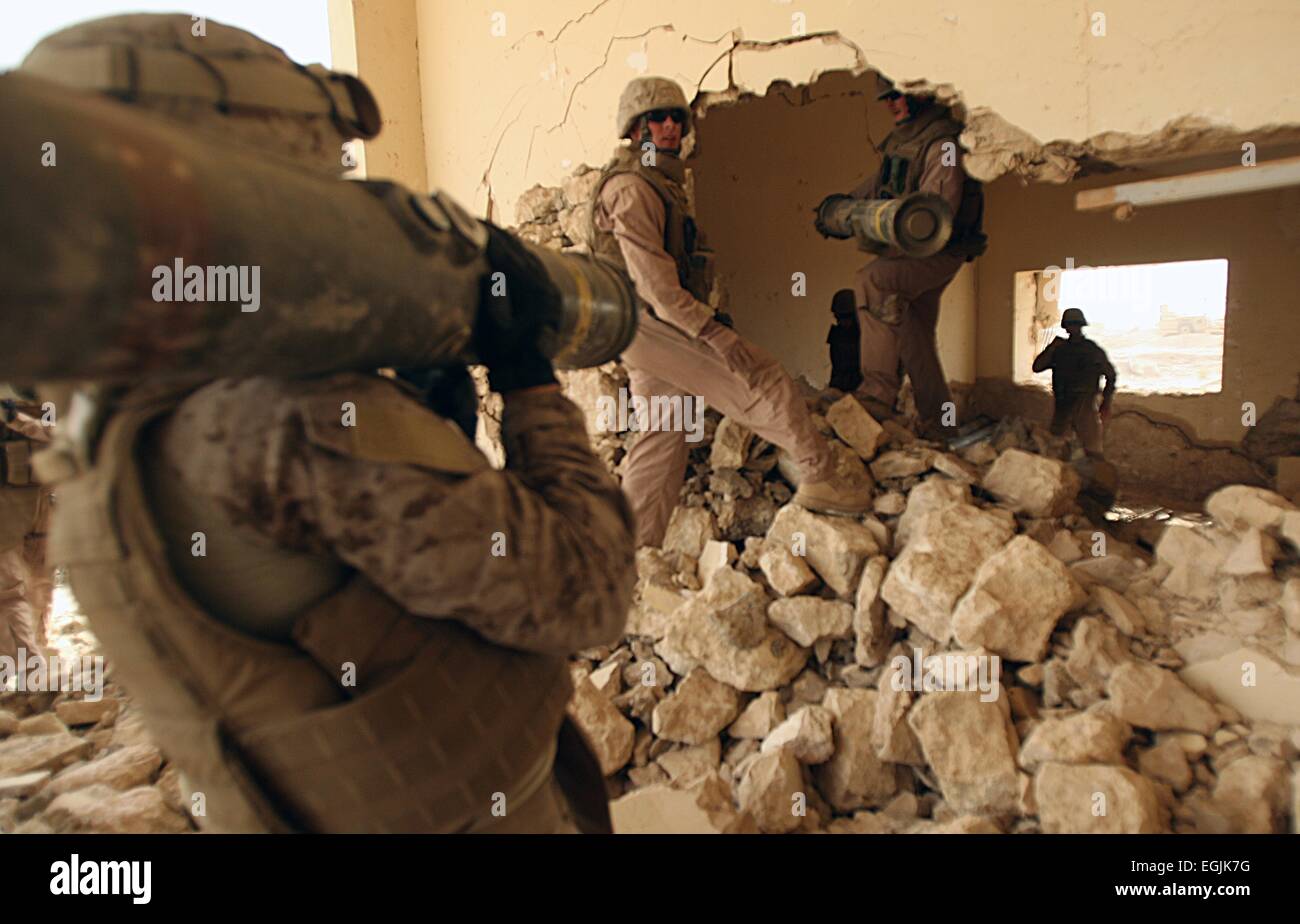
{"x": 645, "y": 94}
{"x": 216, "y": 79}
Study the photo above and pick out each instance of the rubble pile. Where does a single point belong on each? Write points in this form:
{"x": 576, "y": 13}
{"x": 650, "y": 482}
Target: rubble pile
{"x": 72, "y": 764}
{"x": 974, "y": 656}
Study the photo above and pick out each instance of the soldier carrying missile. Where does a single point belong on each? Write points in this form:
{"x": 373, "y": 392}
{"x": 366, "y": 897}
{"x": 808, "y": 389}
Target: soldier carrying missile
{"x": 335, "y": 615}
{"x": 641, "y": 219}
{"x": 898, "y": 293}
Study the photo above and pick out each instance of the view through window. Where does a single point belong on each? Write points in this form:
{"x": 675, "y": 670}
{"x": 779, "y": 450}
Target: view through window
{"x": 1162, "y": 324}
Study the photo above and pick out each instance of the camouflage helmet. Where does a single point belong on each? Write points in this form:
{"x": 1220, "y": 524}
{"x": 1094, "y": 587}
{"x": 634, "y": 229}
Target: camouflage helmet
{"x": 644, "y": 94}
{"x": 215, "y": 78}
{"x": 1073, "y": 317}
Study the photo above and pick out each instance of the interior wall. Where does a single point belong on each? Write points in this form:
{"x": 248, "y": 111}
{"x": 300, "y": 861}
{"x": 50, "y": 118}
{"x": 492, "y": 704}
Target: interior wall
{"x": 760, "y": 167}
{"x": 1033, "y": 227}
{"x": 518, "y": 92}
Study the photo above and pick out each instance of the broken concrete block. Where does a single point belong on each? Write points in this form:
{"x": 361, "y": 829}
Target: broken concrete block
{"x": 788, "y": 573}
{"x": 99, "y": 809}
{"x": 807, "y": 734}
{"x": 891, "y": 737}
{"x": 948, "y": 546}
{"x": 1166, "y": 762}
{"x": 687, "y": 766}
{"x": 697, "y": 710}
{"x": 1254, "y": 553}
{"x": 731, "y": 442}
{"x": 1239, "y": 507}
{"x": 1095, "y": 651}
{"x": 1065, "y": 546}
{"x": 855, "y": 426}
{"x": 834, "y": 547}
{"x": 23, "y": 785}
{"x": 1290, "y": 602}
{"x": 689, "y": 529}
{"x": 1250, "y": 681}
{"x": 1193, "y": 560}
{"x": 854, "y": 777}
{"x": 764, "y": 713}
{"x": 1095, "y": 799}
{"x": 611, "y": 736}
{"x": 538, "y": 204}
{"x": 1151, "y": 697}
{"x": 608, "y": 679}
{"x": 736, "y": 606}
{"x": 771, "y": 791}
{"x": 1091, "y": 737}
{"x": 127, "y": 768}
{"x": 810, "y": 619}
{"x": 693, "y": 639}
{"x": 739, "y": 517}
{"x": 76, "y": 712}
{"x": 1015, "y": 600}
{"x": 1253, "y": 794}
{"x": 21, "y": 754}
{"x": 956, "y": 468}
{"x": 971, "y": 748}
{"x": 935, "y": 493}
{"x": 1032, "y": 484}
{"x": 716, "y": 555}
{"x": 871, "y": 636}
{"x": 1123, "y": 614}
{"x": 890, "y": 504}
{"x": 901, "y": 463}
{"x": 659, "y": 809}
{"x": 43, "y": 723}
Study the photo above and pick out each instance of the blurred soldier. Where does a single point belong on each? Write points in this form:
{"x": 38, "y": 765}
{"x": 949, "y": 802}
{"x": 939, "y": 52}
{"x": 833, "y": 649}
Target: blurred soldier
{"x": 336, "y": 616}
{"x": 898, "y": 296}
{"x": 25, "y": 582}
{"x": 1078, "y": 365}
{"x": 843, "y": 340}
{"x": 641, "y": 219}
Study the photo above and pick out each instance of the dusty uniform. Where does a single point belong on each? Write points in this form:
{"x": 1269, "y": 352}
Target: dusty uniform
{"x": 898, "y": 296}
{"x": 640, "y": 220}
{"x": 361, "y": 627}
{"x": 25, "y": 582}
{"x": 1077, "y": 366}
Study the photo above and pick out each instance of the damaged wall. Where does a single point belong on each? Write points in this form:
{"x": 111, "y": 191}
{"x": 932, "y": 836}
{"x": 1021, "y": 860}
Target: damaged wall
{"x": 541, "y": 98}
{"x": 757, "y": 182}
{"x": 1031, "y": 227}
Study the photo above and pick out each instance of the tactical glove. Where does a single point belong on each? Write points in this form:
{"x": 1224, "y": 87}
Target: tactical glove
{"x": 517, "y": 304}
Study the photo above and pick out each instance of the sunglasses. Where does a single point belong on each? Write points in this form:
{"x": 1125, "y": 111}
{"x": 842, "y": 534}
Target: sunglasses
{"x": 658, "y": 115}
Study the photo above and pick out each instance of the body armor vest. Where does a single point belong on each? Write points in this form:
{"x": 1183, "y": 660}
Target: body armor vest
{"x": 904, "y": 153}
{"x": 437, "y": 723}
{"x": 681, "y": 242}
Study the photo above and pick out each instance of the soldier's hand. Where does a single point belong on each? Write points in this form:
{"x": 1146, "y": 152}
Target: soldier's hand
{"x": 518, "y": 304}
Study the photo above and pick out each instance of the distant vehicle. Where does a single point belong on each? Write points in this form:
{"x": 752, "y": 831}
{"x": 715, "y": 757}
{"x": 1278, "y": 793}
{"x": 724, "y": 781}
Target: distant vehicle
{"x": 1172, "y": 324}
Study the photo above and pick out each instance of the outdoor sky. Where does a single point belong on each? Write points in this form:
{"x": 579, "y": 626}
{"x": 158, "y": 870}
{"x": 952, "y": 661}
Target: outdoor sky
{"x": 1123, "y": 297}
{"x": 300, "y": 27}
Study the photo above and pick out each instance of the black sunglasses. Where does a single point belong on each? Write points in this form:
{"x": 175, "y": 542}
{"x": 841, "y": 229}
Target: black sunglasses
{"x": 658, "y": 115}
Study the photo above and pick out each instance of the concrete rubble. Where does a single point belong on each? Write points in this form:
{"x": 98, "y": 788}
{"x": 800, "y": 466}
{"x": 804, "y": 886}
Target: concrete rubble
{"x": 1143, "y": 683}
{"x": 974, "y": 656}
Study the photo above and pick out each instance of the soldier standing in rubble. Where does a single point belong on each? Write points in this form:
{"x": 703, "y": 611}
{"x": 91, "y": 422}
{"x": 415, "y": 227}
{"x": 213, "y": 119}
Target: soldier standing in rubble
{"x": 641, "y": 219}
{"x": 897, "y": 295}
{"x": 25, "y": 583}
{"x": 334, "y": 627}
{"x": 1078, "y": 365}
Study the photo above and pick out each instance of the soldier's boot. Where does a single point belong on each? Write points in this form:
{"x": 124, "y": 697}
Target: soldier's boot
{"x": 835, "y": 494}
